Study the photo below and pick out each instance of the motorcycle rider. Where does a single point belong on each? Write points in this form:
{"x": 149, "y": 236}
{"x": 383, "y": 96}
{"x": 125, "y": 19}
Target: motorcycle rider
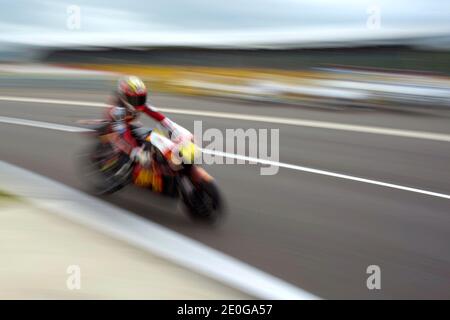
{"x": 128, "y": 101}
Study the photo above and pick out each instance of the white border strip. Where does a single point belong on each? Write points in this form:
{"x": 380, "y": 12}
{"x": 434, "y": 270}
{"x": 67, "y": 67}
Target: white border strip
{"x": 247, "y": 117}
{"x": 104, "y": 217}
{"x": 58, "y": 127}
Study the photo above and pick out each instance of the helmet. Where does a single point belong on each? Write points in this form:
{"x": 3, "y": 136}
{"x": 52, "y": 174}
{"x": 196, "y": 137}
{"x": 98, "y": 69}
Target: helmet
{"x": 132, "y": 92}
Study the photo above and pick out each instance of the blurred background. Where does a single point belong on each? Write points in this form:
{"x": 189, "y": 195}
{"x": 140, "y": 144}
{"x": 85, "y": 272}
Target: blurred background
{"x": 326, "y": 53}
{"x": 351, "y": 63}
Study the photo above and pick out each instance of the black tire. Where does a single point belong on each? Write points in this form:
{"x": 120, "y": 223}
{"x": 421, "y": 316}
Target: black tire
{"x": 205, "y": 204}
{"x": 98, "y": 182}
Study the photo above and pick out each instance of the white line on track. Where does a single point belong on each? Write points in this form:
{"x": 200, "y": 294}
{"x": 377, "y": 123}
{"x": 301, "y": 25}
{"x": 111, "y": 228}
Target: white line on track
{"x": 40, "y": 124}
{"x": 53, "y": 101}
{"x": 256, "y": 118}
{"x": 326, "y": 173}
{"x": 250, "y": 159}
{"x": 75, "y": 205}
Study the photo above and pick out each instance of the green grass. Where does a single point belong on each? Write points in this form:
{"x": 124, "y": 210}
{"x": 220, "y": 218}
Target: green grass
{"x": 7, "y": 197}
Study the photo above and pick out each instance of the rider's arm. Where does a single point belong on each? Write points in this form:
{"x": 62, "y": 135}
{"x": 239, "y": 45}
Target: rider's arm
{"x": 152, "y": 112}
{"x": 175, "y": 131}
{"x": 121, "y": 134}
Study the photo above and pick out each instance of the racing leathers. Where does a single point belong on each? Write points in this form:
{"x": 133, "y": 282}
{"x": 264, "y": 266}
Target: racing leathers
{"x": 123, "y": 123}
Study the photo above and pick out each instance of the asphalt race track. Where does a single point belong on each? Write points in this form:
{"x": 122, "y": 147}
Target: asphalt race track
{"x": 315, "y": 231}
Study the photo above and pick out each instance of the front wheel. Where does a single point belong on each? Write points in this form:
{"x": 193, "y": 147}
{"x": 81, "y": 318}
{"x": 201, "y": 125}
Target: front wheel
{"x": 203, "y": 201}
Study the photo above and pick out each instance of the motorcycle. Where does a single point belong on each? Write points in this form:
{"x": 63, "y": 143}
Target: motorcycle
{"x": 172, "y": 171}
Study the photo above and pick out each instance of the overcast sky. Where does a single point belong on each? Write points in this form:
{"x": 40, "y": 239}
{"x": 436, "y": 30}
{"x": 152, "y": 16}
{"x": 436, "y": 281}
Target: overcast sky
{"x": 40, "y": 21}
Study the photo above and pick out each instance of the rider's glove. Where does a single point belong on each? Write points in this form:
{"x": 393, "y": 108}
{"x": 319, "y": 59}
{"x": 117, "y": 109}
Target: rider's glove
{"x": 141, "y": 156}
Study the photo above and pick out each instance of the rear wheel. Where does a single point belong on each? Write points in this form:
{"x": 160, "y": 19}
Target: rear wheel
{"x": 104, "y": 170}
